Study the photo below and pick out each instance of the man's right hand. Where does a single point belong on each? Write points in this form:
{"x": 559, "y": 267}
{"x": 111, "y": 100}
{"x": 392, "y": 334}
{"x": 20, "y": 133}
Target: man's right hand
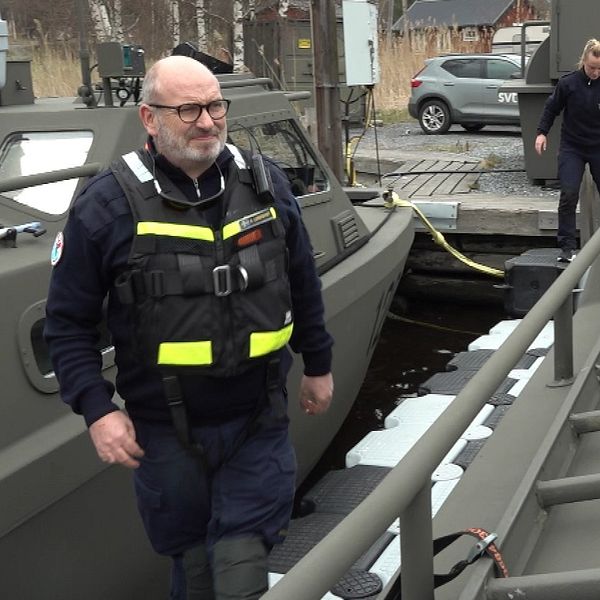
{"x": 114, "y": 438}
{"x": 540, "y": 143}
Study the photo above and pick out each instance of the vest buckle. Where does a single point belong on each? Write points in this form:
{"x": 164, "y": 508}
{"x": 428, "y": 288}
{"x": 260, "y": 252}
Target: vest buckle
{"x": 222, "y": 280}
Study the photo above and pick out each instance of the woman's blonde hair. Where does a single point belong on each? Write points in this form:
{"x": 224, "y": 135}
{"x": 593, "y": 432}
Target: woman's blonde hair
{"x": 591, "y": 47}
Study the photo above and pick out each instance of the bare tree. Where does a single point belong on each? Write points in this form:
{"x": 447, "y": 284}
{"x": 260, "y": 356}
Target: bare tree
{"x": 201, "y": 35}
{"x": 100, "y": 20}
{"x": 284, "y": 6}
{"x": 238, "y": 36}
{"x": 174, "y": 22}
{"x": 117, "y": 21}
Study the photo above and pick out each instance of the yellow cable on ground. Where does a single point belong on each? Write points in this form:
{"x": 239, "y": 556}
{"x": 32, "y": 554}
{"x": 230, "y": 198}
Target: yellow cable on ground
{"x": 392, "y": 199}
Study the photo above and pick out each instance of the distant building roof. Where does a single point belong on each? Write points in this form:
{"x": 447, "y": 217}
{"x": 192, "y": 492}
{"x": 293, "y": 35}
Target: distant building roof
{"x": 462, "y": 13}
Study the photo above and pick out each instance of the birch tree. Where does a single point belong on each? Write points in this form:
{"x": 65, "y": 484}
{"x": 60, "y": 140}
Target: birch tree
{"x": 238, "y": 36}
{"x": 174, "y": 22}
{"x": 117, "y": 22}
{"x": 107, "y": 20}
{"x": 201, "y": 34}
{"x": 100, "y": 20}
{"x": 284, "y": 6}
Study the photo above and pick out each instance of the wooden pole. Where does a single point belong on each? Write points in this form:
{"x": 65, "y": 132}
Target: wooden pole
{"x": 326, "y": 75}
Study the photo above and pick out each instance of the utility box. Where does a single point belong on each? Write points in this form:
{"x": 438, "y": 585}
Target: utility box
{"x": 361, "y": 53}
{"x": 18, "y": 87}
{"x": 527, "y": 277}
{"x": 3, "y": 51}
{"x": 282, "y": 50}
{"x": 120, "y": 60}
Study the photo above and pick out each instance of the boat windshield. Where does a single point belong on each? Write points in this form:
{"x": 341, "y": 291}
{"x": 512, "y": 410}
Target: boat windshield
{"x": 284, "y": 144}
{"x": 29, "y": 153}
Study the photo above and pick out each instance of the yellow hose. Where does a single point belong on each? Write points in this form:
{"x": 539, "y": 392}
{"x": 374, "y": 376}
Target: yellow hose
{"x": 392, "y": 199}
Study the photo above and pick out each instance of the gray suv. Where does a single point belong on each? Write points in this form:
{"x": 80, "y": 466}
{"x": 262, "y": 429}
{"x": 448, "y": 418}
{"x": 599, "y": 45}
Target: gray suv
{"x": 464, "y": 89}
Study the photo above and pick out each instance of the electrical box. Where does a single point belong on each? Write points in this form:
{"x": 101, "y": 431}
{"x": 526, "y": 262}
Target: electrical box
{"x": 360, "y": 42}
{"x": 120, "y": 60}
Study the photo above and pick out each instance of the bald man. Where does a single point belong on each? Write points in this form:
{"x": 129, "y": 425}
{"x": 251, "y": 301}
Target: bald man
{"x": 203, "y": 302}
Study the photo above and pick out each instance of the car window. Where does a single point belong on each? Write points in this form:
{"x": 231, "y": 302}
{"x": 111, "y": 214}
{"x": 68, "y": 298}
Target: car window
{"x": 465, "y": 68}
{"x": 500, "y": 69}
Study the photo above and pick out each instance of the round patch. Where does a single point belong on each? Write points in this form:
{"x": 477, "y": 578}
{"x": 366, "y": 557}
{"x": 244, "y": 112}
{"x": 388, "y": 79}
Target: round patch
{"x": 57, "y": 248}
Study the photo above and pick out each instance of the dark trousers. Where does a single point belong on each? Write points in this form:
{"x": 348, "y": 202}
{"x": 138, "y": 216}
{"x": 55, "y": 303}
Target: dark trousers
{"x": 246, "y": 489}
{"x": 571, "y": 166}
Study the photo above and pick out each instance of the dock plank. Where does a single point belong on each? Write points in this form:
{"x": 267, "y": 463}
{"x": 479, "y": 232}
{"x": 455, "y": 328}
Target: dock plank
{"x": 466, "y": 184}
{"x": 431, "y": 187}
{"x": 408, "y": 166}
{"x": 449, "y": 184}
{"x": 426, "y": 165}
{"x": 416, "y": 184}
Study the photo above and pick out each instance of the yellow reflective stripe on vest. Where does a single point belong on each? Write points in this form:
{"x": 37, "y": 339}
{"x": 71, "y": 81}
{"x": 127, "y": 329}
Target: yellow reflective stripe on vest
{"x": 192, "y": 232}
{"x": 248, "y": 222}
{"x": 265, "y": 342}
{"x": 185, "y": 353}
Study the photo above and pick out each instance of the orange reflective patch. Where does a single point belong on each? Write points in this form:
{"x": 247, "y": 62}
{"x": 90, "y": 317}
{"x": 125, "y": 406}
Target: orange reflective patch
{"x": 250, "y": 238}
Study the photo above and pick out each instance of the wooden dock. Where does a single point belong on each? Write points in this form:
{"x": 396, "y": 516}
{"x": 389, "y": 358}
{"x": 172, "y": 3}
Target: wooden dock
{"x": 445, "y": 180}
{"x": 430, "y": 177}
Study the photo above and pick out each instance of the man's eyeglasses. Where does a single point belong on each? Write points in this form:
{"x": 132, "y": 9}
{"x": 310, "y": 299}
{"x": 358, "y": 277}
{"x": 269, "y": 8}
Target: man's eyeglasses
{"x": 190, "y": 112}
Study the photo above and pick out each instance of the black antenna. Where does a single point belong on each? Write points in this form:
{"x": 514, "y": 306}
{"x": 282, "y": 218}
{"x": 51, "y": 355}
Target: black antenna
{"x": 85, "y": 91}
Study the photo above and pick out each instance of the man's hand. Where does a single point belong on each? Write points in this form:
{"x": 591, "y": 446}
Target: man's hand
{"x": 540, "y": 143}
{"x": 114, "y": 438}
{"x": 316, "y": 393}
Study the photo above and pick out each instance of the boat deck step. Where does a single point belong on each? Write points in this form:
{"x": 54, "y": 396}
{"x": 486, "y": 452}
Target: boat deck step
{"x": 341, "y": 491}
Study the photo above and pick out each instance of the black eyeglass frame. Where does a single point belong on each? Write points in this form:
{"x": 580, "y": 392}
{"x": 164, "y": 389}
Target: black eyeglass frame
{"x": 201, "y": 107}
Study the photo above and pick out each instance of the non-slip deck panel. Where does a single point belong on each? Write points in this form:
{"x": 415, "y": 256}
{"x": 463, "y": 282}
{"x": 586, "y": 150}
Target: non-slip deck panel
{"x": 305, "y": 533}
{"x": 452, "y": 382}
{"x": 341, "y": 491}
{"x": 358, "y": 584}
{"x": 501, "y": 399}
{"x": 467, "y": 456}
{"x": 497, "y": 415}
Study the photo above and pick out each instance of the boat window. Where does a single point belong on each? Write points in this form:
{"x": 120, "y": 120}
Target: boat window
{"x": 40, "y": 152}
{"x": 35, "y": 354}
{"x": 285, "y": 145}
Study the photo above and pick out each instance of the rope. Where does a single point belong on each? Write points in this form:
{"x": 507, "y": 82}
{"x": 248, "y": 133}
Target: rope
{"x": 391, "y": 198}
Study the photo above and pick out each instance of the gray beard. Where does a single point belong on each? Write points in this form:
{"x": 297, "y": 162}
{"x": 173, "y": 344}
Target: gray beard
{"x": 176, "y": 150}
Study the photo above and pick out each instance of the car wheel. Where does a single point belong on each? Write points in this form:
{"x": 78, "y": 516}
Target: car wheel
{"x": 434, "y": 117}
{"x": 473, "y": 126}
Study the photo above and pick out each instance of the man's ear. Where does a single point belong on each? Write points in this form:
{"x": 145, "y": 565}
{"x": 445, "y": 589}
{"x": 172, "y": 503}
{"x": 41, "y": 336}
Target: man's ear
{"x": 148, "y": 119}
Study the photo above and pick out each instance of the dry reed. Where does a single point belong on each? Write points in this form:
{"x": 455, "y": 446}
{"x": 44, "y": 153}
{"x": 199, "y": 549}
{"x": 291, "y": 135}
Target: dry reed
{"x": 56, "y": 70}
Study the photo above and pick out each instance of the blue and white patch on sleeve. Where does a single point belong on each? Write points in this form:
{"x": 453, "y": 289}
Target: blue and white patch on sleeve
{"x": 57, "y": 249}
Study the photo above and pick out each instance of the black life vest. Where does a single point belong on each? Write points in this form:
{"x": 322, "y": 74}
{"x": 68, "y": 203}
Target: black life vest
{"x": 214, "y": 300}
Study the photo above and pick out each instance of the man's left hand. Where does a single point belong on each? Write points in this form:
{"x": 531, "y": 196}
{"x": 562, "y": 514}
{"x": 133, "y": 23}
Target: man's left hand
{"x": 316, "y": 393}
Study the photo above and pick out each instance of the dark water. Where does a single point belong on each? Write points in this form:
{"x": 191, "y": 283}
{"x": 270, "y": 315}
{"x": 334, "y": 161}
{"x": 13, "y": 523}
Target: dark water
{"x": 417, "y": 340}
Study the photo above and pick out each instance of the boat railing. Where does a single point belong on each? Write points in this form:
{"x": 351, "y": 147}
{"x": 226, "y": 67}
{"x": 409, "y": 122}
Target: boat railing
{"x": 406, "y": 491}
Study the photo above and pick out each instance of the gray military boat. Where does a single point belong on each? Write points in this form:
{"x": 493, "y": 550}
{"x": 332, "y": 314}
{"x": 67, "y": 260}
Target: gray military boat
{"x": 68, "y": 524}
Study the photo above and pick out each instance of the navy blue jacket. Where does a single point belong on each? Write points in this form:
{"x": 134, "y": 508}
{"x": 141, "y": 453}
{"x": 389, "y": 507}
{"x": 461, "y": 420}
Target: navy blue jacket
{"x": 97, "y": 240}
{"x": 578, "y": 97}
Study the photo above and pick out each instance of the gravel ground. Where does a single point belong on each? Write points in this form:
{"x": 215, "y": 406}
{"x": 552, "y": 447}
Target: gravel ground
{"x": 500, "y": 147}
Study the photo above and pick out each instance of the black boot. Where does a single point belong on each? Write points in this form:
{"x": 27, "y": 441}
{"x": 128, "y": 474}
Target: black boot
{"x": 240, "y": 568}
{"x": 198, "y": 575}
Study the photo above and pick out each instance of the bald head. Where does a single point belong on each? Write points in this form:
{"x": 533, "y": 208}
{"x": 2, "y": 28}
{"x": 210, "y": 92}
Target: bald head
{"x": 170, "y": 73}
{"x": 176, "y": 84}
